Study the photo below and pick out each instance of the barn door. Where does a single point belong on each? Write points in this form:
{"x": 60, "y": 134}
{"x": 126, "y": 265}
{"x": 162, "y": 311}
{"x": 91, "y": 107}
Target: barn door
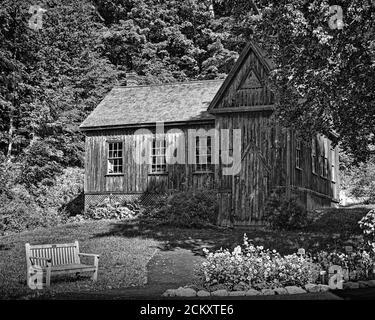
{"x": 250, "y": 188}
{"x": 243, "y": 194}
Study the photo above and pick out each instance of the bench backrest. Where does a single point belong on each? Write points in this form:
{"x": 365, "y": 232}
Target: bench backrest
{"x": 60, "y": 254}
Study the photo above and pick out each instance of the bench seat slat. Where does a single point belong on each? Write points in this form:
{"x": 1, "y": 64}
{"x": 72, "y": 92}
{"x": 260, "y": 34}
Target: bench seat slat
{"x": 71, "y": 267}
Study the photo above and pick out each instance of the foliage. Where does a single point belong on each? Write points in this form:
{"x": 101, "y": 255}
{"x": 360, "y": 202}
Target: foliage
{"x": 21, "y": 212}
{"x": 44, "y": 205}
{"x": 367, "y": 224}
{"x": 324, "y": 71}
{"x": 256, "y": 267}
{"x": 109, "y": 209}
{"x": 284, "y": 213}
{"x": 360, "y": 261}
{"x": 63, "y": 194}
{"x": 342, "y": 221}
{"x": 359, "y": 180}
{"x": 190, "y": 209}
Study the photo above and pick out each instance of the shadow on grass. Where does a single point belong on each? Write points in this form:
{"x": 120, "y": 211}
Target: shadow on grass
{"x": 318, "y": 236}
{"x": 171, "y": 238}
{"x": 343, "y": 220}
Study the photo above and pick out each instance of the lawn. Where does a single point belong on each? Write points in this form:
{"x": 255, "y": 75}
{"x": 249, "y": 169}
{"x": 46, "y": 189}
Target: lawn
{"x": 331, "y": 228}
{"x": 127, "y": 247}
{"x": 122, "y": 264}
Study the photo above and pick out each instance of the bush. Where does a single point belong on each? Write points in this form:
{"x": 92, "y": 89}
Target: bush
{"x": 21, "y": 214}
{"x": 359, "y": 180}
{"x": 367, "y": 224}
{"x": 64, "y": 194}
{"x": 359, "y": 260}
{"x": 332, "y": 220}
{"x": 190, "y": 209}
{"x": 110, "y": 209}
{"x": 283, "y": 213}
{"x": 43, "y": 205}
{"x": 252, "y": 266}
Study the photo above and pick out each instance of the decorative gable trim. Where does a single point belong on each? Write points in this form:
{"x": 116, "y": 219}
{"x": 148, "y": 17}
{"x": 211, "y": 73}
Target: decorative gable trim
{"x": 267, "y": 64}
{"x": 251, "y": 81}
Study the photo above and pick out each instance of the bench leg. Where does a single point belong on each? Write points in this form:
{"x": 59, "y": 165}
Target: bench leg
{"x": 95, "y": 274}
{"x": 48, "y": 276}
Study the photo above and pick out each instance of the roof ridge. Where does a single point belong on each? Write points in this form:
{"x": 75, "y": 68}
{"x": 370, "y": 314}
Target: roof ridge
{"x": 168, "y": 84}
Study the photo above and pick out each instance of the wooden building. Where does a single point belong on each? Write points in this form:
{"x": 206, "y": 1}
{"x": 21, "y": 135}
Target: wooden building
{"x": 192, "y": 152}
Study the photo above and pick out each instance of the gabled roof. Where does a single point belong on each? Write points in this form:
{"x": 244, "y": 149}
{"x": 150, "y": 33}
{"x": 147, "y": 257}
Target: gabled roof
{"x": 262, "y": 56}
{"x": 134, "y": 105}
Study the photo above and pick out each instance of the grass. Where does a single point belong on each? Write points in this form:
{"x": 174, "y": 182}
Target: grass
{"x": 122, "y": 264}
{"x": 126, "y": 248}
{"x": 330, "y": 228}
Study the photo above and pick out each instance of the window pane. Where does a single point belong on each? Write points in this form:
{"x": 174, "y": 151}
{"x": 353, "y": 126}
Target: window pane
{"x": 158, "y": 156}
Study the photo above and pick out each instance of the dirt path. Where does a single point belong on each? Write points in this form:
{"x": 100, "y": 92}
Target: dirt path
{"x": 175, "y": 268}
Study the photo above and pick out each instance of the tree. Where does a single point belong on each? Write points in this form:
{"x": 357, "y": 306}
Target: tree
{"x": 325, "y": 70}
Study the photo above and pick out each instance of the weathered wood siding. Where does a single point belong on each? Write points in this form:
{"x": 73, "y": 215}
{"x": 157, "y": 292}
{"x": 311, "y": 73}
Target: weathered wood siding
{"x": 137, "y": 178}
{"x": 269, "y": 163}
{"x": 314, "y": 185}
{"x": 263, "y": 166}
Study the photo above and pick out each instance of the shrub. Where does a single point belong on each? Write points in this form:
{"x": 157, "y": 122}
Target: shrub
{"x": 22, "y": 213}
{"x": 185, "y": 209}
{"x": 42, "y": 205}
{"x": 110, "y": 209}
{"x": 255, "y": 267}
{"x": 41, "y": 162}
{"x": 65, "y": 193}
{"x": 359, "y": 260}
{"x": 332, "y": 220}
{"x": 359, "y": 180}
{"x": 367, "y": 224}
{"x": 283, "y": 213}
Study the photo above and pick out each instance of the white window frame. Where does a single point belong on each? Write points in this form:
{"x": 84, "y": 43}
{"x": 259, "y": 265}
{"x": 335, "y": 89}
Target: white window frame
{"x": 333, "y": 165}
{"x": 203, "y": 154}
{"x": 115, "y": 160}
{"x": 298, "y": 154}
{"x": 313, "y": 156}
{"x": 324, "y": 160}
{"x": 158, "y": 156}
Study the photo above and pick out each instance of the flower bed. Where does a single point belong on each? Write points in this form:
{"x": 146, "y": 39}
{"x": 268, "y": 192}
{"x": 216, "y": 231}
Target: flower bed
{"x": 254, "y": 267}
{"x": 252, "y": 270}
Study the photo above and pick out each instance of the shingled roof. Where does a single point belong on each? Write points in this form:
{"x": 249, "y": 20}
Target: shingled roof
{"x": 135, "y": 105}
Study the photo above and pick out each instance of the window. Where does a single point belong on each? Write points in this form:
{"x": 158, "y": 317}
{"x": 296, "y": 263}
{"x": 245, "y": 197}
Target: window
{"x": 333, "y": 169}
{"x": 158, "y": 156}
{"x": 203, "y": 154}
{"x": 313, "y": 156}
{"x": 298, "y": 153}
{"x": 115, "y": 160}
{"x": 324, "y": 159}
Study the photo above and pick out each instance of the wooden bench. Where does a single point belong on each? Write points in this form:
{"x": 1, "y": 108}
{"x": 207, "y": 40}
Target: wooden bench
{"x": 59, "y": 259}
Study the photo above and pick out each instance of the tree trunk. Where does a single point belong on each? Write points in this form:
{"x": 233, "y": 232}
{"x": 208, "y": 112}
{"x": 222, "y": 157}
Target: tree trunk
{"x": 10, "y": 135}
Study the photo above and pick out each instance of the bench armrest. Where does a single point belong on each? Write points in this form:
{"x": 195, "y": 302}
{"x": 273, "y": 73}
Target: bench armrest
{"x": 89, "y": 255}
